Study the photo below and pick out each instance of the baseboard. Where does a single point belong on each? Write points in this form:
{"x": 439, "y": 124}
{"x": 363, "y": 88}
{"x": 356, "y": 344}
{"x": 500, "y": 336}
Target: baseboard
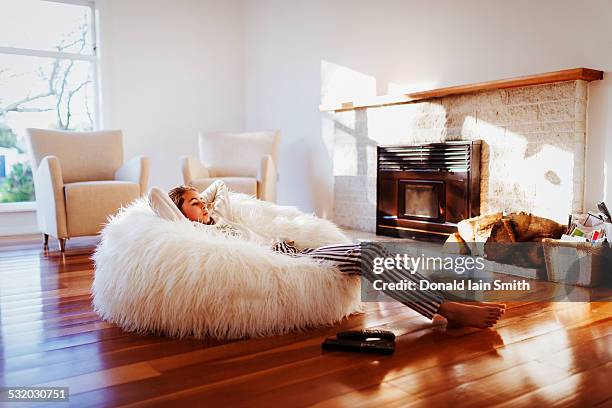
{"x": 18, "y": 222}
{"x": 19, "y": 230}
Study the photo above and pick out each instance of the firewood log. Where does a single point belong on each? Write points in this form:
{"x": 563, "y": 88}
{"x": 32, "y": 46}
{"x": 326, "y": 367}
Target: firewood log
{"x": 478, "y": 229}
{"x": 528, "y": 226}
{"x": 501, "y": 234}
{"x": 499, "y": 246}
{"x": 527, "y": 230}
{"x": 455, "y": 245}
{"x": 475, "y": 231}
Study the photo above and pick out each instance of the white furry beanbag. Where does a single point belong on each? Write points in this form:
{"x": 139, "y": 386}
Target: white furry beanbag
{"x": 182, "y": 279}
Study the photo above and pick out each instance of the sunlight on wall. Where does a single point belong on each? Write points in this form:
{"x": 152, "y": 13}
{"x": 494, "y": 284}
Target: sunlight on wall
{"x": 345, "y": 146}
{"x": 525, "y": 172}
{"x": 605, "y": 182}
{"x": 339, "y": 83}
{"x": 401, "y": 89}
{"x": 410, "y": 123}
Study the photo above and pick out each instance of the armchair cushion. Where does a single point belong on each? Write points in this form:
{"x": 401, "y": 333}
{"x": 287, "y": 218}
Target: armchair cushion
{"x": 192, "y": 169}
{"x": 246, "y": 185}
{"x": 89, "y": 203}
{"x": 84, "y": 156}
{"x": 237, "y": 154}
{"x": 135, "y": 170}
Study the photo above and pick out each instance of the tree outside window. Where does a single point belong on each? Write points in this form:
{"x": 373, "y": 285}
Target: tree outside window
{"x": 47, "y": 76}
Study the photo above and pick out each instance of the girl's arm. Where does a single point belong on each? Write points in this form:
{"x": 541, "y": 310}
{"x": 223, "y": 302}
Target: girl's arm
{"x": 163, "y": 206}
{"x": 217, "y": 196}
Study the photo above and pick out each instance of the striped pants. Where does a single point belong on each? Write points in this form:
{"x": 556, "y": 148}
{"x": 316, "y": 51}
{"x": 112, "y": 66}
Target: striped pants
{"x": 358, "y": 259}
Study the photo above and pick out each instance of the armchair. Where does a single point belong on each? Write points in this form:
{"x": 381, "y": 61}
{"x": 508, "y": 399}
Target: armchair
{"x": 246, "y": 162}
{"x": 80, "y": 179}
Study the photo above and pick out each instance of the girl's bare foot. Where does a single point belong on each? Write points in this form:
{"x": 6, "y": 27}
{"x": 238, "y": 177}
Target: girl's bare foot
{"x": 478, "y": 314}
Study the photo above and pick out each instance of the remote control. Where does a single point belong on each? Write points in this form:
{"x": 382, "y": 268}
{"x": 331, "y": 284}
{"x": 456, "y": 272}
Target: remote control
{"x": 366, "y": 334}
{"x": 373, "y": 347}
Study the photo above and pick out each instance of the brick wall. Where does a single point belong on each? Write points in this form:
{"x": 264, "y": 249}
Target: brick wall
{"x": 532, "y": 154}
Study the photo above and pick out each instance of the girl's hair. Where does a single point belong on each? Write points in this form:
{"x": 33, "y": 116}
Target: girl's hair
{"x": 176, "y": 195}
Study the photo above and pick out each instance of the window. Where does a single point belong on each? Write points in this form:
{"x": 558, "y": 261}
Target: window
{"x": 48, "y": 70}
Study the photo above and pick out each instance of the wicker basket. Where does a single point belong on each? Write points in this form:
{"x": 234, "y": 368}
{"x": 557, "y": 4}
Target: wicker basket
{"x": 574, "y": 263}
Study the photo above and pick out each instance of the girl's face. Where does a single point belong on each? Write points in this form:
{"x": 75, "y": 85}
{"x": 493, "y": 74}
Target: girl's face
{"x": 194, "y": 208}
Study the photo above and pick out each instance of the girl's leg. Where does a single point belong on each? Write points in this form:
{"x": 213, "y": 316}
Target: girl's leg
{"x": 427, "y": 302}
{"x": 358, "y": 259}
{"x": 285, "y": 247}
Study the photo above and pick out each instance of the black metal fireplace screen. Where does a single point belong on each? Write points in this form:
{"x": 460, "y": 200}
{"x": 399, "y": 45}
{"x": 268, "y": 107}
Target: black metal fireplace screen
{"x": 425, "y": 190}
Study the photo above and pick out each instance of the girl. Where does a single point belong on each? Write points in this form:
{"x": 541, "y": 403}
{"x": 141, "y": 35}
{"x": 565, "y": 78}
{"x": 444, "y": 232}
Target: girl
{"x": 213, "y": 207}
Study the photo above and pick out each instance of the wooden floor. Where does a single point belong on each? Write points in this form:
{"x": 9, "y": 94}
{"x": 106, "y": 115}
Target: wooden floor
{"x": 540, "y": 354}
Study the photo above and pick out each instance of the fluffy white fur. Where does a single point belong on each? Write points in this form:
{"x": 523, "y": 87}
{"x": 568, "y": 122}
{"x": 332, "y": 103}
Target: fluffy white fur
{"x": 175, "y": 278}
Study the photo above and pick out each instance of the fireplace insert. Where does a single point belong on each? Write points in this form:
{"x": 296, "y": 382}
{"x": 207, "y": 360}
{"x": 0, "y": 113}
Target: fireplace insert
{"x": 424, "y": 190}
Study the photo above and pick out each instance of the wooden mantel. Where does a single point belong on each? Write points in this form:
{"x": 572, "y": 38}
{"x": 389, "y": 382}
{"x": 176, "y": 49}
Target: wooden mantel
{"x": 584, "y": 74}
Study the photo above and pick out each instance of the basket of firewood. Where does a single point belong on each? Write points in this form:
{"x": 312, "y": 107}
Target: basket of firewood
{"x": 513, "y": 238}
{"x": 574, "y": 263}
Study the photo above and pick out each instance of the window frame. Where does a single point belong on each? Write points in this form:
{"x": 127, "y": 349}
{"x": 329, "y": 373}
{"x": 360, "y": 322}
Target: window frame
{"x": 93, "y": 58}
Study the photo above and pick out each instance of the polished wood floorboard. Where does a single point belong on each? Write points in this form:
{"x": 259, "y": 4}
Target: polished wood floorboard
{"x": 540, "y": 354}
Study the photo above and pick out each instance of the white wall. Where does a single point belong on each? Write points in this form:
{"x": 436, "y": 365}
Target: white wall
{"x": 412, "y": 43}
{"x": 170, "y": 69}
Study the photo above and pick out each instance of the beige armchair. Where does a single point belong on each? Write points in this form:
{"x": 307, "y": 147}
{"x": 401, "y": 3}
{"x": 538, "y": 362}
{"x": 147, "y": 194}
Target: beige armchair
{"x": 246, "y": 162}
{"x": 80, "y": 179}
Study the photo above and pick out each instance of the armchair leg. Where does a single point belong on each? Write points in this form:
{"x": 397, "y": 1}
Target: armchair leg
{"x": 62, "y": 244}
{"x": 45, "y": 240}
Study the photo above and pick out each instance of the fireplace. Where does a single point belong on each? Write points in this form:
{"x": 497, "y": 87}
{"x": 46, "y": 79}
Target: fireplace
{"x": 424, "y": 190}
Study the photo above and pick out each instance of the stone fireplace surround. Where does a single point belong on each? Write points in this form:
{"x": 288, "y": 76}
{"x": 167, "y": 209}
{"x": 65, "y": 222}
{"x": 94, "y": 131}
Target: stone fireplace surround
{"x": 532, "y": 154}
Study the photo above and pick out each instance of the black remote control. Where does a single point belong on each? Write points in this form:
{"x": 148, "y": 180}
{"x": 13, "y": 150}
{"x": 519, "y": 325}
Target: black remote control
{"x": 366, "y": 334}
{"x": 372, "y": 347}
